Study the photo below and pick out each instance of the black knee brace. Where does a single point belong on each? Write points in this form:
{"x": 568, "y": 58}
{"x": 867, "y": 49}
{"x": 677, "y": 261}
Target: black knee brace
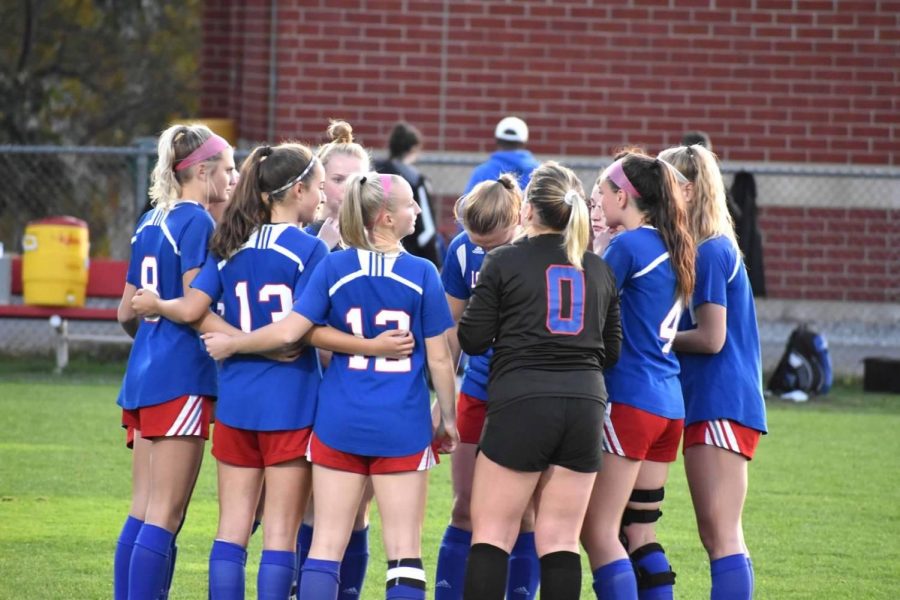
{"x": 637, "y": 515}
{"x": 646, "y": 579}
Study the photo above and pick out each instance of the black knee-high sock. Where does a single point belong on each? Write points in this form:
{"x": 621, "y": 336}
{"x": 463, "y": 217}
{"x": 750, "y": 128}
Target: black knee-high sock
{"x": 486, "y": 573}
{"x": 560, "y": 576}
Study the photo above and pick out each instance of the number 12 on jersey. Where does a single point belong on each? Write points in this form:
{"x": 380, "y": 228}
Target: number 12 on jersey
{"x": 354, "y": 319}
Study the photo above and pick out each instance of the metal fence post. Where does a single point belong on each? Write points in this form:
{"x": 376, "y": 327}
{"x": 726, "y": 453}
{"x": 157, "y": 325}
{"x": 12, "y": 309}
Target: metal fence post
{"x": 146, "y": 145}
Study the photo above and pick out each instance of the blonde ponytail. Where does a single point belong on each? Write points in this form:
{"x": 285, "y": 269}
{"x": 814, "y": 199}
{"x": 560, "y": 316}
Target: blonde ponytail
{"x": 577, "y": 234}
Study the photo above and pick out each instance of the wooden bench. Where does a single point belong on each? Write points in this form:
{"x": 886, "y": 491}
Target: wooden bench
{"x": 106, "y": 278}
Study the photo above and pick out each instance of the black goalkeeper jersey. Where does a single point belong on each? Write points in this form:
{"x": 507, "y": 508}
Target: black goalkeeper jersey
{"x": 553, "y": 328}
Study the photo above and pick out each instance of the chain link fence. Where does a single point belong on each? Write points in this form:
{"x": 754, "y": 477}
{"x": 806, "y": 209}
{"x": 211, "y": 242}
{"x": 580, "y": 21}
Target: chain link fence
{"x": 107, "y": 187}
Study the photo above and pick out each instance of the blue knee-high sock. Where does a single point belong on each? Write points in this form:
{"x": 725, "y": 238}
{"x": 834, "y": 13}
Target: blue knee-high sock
{"x": 405, "y": 579}
{"x": 304, "y": 542}
{"x": 122, "y": 559}
{"x": 354, "y": 564}
{"x": 615, "y": 581}
{"x": 170, "y": 569}
{"x": 730, "y": 578}
{"x": 320, "y": 580}
{"x": 752, "y": 576}
{"x": 450, "y": 575}
{"x": 276, "y": 574}
{"x": 149, "y": 562}
{"x": 524, "y": 569}
{"x": 650, "y": 560}
{"x": 226, "y": 571}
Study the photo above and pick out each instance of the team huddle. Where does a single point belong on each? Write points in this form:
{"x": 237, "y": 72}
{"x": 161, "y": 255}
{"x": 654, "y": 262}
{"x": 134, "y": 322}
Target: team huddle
{"x": 598, "y": 331}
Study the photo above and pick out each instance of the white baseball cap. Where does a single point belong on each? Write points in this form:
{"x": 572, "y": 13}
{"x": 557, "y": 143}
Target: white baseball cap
{"x": 512, "y": 129}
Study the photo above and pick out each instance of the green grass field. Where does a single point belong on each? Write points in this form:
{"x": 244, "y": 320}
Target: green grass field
{"x": 822, "y": 517}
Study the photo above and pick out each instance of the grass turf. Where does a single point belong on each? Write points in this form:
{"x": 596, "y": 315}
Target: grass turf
{"x": 822, "y": 516}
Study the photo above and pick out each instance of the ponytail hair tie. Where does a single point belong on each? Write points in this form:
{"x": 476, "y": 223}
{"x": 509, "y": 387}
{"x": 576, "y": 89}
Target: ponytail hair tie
{"x": 265, "y": 151}
{"x": 570, "y": 197}
{"x": 363, "y": 180}
{"x": 505, "y": 183}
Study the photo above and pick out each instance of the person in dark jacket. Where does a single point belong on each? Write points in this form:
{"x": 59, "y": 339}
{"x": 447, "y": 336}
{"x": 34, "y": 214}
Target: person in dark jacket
{"x": 404, "y": 147}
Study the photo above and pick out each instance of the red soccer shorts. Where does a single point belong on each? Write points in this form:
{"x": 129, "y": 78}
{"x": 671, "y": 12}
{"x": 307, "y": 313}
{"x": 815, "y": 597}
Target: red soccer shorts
{"x": 640, "y": 435}
{"x": 470, "y": 414}
{"x": 725, "y": 434}
{"x": 325, "y": 456}
{"x": 258, "y": 449}
{"x": 182, "y": 416}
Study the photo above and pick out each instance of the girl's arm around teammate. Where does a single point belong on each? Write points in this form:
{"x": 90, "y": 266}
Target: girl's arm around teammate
{"x": 293, "y": 327}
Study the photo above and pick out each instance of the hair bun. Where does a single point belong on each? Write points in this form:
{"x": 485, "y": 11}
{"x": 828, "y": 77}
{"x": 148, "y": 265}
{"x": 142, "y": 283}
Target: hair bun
{"x": 340, "y": 132}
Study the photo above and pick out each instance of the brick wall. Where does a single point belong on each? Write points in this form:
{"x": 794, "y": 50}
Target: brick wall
{"x": 832, "y": 253}
{"x": 796, "y": 81}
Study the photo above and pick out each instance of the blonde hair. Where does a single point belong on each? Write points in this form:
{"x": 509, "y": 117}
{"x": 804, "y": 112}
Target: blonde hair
{"x": 707, "y": 211}
{"x": 341, "y": 135}
{"x": 490, "y": 205}
{"x": 175, "y": 143}
{"x": 557, "y": 196}
{"x": 363, "y": 203}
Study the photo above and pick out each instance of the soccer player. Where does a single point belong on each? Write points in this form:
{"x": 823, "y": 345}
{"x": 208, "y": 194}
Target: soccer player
{"x": 721, "y": 375}
{"x": 548, "y": 307}
{"x": 342, "y": 158}
{"x": 373, "y": 416}
{"x": 489, "y": 215}
{"x": 170, "y": 382}
{"x": 653, "y": 262}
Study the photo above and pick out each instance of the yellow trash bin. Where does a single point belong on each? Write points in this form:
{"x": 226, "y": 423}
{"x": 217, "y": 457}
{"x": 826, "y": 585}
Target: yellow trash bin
{"x": 55, "y": 262}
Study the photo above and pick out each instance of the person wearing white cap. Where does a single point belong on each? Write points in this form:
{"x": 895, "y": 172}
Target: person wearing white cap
{"x": 511, "y": 156}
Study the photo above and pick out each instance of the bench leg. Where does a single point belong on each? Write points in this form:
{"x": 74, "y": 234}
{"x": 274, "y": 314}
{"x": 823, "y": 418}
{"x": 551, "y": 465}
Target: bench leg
{"x": 61, "y": 327}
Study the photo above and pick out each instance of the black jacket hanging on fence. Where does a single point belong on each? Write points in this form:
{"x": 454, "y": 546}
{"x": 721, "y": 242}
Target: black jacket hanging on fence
{"x": 742, "y": 205}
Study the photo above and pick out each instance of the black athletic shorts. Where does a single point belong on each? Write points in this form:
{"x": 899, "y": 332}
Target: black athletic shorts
{"x": 534, "y": 433}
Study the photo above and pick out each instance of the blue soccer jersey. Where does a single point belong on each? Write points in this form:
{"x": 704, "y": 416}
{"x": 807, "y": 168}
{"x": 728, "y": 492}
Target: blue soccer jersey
{"x": 728, "y": 384}
{"x": 257, "y": 286}
{"x": 459, "y": 276}
{"x": 167, "y": 360}
{"x": 646, "y": 375}
{"x": 376, "y": 406}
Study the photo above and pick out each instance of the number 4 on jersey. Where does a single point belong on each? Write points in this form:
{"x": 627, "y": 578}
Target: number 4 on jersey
{"x": 669, "y": 326}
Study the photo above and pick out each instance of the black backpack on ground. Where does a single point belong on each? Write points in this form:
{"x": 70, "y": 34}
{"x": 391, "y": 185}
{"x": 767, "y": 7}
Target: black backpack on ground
{"x": 805, "y": 364}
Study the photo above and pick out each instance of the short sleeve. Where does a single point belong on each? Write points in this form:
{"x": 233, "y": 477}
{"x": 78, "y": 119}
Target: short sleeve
{"x": 314, "y": 302}
{"x": 436, "y": 317}
{"x": 208, "y": 280}
{"x": 133, "y": 276}
{"x": 714, "y": 267}
{"x": 620, "y": 260}
{"x": 319, "y": 252}
{"x": 134, "y": 269}
{"x": 452, "y": 275}
{"x": 195, "y": 241}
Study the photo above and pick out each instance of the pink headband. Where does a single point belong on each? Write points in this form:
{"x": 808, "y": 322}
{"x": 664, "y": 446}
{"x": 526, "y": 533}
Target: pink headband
{"x": 212, "y": 146}
{"x": 386, "y": 185}
{"x": 616, "y": 174}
